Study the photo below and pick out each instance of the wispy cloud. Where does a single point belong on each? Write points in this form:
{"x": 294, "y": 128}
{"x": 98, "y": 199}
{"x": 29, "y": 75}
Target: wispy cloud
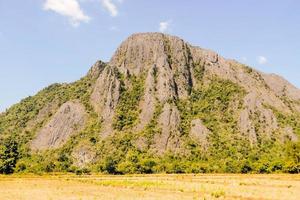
{"x": 262, "y": 60}
{"x": 68, "y": 8}
{"x": 110, "y": 7}
{"x": 164, "y": 26}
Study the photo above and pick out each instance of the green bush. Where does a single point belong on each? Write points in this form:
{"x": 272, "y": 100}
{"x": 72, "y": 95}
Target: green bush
{"x": 110, "y": 166}
{"x": 127, "y": 110}
{"x": 83, "y": 171}
{"x": 292, "y": 167}
{"x": 246, "y": 168}
{"x": 147, "y": 166}
{"x": 9, "y": 155}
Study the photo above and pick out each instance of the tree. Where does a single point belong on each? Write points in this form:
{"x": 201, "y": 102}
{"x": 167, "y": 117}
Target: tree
{"x": 9, "y": 155}
{"x": 110, "y": 165}
{"x": 293, "y": 153}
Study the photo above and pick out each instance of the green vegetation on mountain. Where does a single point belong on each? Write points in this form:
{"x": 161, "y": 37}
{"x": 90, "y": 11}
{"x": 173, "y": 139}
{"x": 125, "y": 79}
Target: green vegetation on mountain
{"x": 127, "y": 111}
{"x": 242, "y": 123}
{"x": 228, "y": 151}
{"x": 9, "y": 155}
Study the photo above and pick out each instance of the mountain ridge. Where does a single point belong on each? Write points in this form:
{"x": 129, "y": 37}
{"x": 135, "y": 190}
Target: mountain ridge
{"x": 162, "y": 100}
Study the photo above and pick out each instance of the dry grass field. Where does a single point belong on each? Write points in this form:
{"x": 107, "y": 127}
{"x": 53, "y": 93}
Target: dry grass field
{"x": 207, "y": 186}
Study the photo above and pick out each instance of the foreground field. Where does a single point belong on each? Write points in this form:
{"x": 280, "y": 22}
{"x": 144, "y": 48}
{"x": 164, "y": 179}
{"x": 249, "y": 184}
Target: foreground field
{"x": 218, "y": 186}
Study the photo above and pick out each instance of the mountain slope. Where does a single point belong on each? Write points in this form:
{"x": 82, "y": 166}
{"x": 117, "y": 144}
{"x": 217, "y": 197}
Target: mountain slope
{"x": 160, "y": 104}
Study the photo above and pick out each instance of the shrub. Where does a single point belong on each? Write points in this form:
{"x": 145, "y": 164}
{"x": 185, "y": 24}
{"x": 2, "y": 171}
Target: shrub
{"x": 127, "y": 110}
{"x": 82, "y": 171}
{"x": 292, "y": 167}
{"x": 21, "y": 167}
{"x": 246, "y": 168}
{"x": 147, "y": 166}
{"x": 110, "y": 166}
{"x": 9, "y": 155}
{"x": 127, "y": 167}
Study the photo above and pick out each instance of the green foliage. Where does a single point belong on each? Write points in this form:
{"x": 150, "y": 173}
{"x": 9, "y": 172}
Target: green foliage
{"x": 199, "y": 70}
{"x": 285, "y": 120}
{"x": 136, "y": 162}
{"x": 147, "y": 165}
{"x": 152, "y": 128}
{"x": 217, "y": 104}
{"x": 212, "y": 105}
{"x": 229, "y": 152}
{"x": 293, "y": 155}
{"x": 127, "y": 110}
{"x": 118, "y": 155}
{"x": 82, "y": 171}
{"x": 16, "y": 119}
{"x": 293, "y": 151}
{"x": 9, "y": 155}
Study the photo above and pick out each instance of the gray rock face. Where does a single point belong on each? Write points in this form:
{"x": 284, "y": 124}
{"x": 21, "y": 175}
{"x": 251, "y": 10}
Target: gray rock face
{"x": 105, "y": 97}
{"x": 256, "y": 113}
{"x": 169, "y": 55}
{"x": 69, "y": 119}
{"x": 246, "y": 126}
{"x": 171, "y": 69}
{"x": 169, "y": 65}
{"x": 199, "y": 132}
{"x": 96, "y": 69}
{"x": 281, "y": 87}
{"x": 139, "y": 52}
{"x": 169, "y": 121}
{"x": 44, "y": 113}
{"x": 166, "y": 62}
{"x": 148, "y": 102}
{"x": 289, "y": 134}
{"x": 83, "y": 155}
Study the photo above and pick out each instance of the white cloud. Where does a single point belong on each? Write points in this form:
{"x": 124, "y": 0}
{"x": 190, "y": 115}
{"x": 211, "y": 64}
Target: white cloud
{"x": 68, "y": 8}
{"x": 262, "y": 60}
{"x": 164, "y": 26}
{"x": 110, "y": 7}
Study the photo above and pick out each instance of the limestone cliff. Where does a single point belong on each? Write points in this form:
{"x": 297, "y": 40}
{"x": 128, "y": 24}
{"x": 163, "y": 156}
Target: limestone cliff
{"x": 165, "y": 94}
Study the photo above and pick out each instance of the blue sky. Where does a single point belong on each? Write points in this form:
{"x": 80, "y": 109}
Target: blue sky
{"x": 48, "y": 41}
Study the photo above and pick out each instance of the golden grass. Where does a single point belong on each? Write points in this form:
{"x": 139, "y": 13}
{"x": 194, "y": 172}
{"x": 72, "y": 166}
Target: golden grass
{"x": 206, "y": 186}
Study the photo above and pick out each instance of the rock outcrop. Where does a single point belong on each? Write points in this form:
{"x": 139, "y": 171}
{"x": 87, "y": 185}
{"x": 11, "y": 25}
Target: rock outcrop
{"x": 281, "y": 87}
{"x": 105, "y": 97}
{"x": 172, "y": 71}
{"x": 169, "y": 137}
{"x": 83, "y": 155}
{"x": 67, "y": 121}
{"x": 199, "y": 133}
{"x": 172, "y": 68}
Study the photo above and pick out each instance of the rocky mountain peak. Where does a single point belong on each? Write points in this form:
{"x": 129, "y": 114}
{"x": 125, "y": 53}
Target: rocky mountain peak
{"x": 171, "y": 69}
{"x": 141, "y": 51}
{"x": 159, "y": 94}
{"x": 96, "y": 69}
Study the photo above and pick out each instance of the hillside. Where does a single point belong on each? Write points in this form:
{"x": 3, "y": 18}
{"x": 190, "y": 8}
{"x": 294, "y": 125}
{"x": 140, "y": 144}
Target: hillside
{"x": 159, "y": 105}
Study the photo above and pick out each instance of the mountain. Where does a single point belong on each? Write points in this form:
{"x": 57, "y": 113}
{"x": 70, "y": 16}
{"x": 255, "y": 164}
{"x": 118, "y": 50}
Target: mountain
{"x": 160, "y": 105}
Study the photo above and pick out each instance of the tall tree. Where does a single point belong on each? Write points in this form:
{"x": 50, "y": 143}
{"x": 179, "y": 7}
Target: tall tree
{"x": 9, "y": 155}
